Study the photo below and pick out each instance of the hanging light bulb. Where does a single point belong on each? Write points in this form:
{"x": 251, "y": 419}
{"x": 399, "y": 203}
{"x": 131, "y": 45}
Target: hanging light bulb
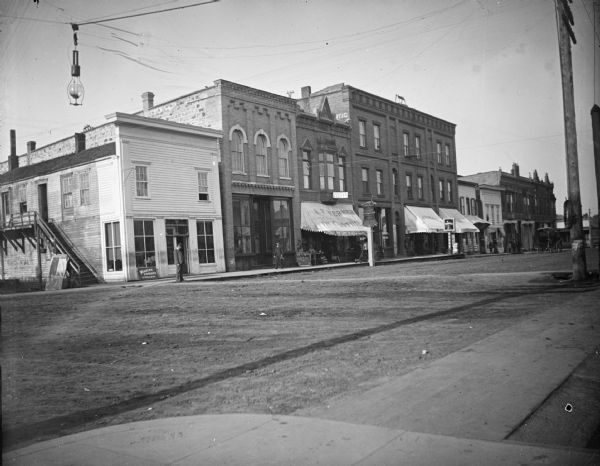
{"x": 75, "y": 89}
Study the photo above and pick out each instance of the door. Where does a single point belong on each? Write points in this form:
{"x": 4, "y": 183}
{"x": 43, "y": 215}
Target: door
{"x": 261, "y": 219}
{"x": 43, "y": 201}
{"x": 5, "y": 208}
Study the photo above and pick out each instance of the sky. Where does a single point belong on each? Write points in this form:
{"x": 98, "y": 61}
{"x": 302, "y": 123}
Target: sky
{"x": 489, "y": 66}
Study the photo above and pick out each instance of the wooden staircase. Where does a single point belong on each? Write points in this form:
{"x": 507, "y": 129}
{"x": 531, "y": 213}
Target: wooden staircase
{"x": 30, "y": 227}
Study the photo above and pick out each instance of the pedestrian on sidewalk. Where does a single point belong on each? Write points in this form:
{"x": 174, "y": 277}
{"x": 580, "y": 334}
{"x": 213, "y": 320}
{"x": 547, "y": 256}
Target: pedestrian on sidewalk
{"x": 179, "y": 262}
{"x": 277, "y": 255}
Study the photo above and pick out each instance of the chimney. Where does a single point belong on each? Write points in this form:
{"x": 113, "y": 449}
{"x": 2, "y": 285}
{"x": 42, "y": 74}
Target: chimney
{"x": 306, "y": 92}
{"x": 30, "y": 146}
{"x": 13, "y": 159}
{"x": 515, "y": 169}
{"x": 148, "y": 100}
{"x": 79, "y": 142}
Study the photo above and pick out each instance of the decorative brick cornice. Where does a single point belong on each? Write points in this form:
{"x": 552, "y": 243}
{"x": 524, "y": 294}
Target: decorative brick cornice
{"x": 268, "y": 186}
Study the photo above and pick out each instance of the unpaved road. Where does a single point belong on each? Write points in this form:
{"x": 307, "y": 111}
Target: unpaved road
{"x": 79, "y": 359}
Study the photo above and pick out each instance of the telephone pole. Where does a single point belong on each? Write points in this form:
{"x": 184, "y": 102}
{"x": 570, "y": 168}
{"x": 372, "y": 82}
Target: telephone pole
{"x": 564, "y": 20}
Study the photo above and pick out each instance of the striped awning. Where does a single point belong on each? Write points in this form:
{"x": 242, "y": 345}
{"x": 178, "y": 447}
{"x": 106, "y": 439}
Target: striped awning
{"x": 461, "y": 223}
{"x": 422, "y": 220}
{"x": 336, "y": 220}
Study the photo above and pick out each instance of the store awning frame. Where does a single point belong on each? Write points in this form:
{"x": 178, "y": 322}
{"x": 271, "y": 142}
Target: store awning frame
{"x": 335, "y": 220}
{"x": 461, "y": 223}
{"x": 422, "y": 220}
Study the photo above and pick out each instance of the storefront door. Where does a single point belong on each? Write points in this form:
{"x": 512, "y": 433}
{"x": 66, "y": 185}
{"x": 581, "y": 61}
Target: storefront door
{"x": 261, "y": 229}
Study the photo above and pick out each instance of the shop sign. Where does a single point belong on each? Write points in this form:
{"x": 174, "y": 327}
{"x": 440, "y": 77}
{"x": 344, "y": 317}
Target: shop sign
{"x": 340, "y": 195}
{"x": 147, "y": 273}
{"x": 449, "y": 224}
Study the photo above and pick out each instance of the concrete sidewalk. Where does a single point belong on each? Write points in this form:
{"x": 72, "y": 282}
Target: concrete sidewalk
{"x": 457, "y": 410}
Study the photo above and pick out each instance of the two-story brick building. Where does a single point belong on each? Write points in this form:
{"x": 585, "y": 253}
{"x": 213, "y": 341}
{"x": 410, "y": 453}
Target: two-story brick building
{"x": 117, "y": 200}
{"x": 527, "y": 206}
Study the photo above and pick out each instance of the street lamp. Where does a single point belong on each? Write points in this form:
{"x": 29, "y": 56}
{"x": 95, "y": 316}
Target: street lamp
{"x": 75, "y": 89}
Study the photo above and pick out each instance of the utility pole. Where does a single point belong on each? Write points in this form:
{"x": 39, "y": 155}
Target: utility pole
{"x": 564, "y": 20}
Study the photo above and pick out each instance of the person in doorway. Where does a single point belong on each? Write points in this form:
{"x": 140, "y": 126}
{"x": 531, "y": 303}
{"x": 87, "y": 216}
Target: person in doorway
{"x": 277, "y": 256}
{"x": 179, "y": 261}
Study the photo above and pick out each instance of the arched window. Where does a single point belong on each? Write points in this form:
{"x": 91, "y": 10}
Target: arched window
{"x": 284, "y": 159}
{"x": 261, "y": 156}
{"x": 237, "y": 152}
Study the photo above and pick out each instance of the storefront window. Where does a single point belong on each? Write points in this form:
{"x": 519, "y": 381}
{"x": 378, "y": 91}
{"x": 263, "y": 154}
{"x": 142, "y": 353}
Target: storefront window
{"x": 241, "y": 226}
{"x": 143, "y": 234}
{"x": 206, "y": 243}
{"x": 282, "y": 223}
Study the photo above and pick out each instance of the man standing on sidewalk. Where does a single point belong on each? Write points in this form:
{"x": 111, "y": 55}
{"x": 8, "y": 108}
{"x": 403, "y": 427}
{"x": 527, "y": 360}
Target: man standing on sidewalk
{"x": 179, "y": 261}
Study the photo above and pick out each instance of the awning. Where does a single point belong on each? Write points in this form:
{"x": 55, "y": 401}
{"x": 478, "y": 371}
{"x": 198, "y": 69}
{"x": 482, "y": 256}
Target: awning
{"x": 422, "y": 220}
{"x": 461, "y": 223}
{"x": 475, "y": 220}
{"x": 336, "y": 220}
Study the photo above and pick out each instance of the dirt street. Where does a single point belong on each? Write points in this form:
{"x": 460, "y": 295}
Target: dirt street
{"x": 78, "y": 359}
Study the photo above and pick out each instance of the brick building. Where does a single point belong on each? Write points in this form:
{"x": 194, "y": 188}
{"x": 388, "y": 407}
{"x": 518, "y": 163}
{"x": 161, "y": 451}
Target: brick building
{"x": 402, "y": 159}
{"x": 527, "y": 206}
{"x": 259, "y": 176}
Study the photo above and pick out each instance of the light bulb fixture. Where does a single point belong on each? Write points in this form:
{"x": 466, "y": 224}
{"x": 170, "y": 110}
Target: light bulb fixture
{"x": 75, "y": 89}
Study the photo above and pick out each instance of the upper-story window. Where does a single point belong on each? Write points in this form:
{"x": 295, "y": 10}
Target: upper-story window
{"x": 342, "y": 173}
{"x": 441, "y": 190}
{"x": 473, "y": 206}
{"x": 365, "y": 180}
{"x": 322, "y": 177}
{"x": 22, "y": 195}
{"x": 377, "y": 137}
{"x": 237, "y": 152}
{"x": 420, "y": 187}
{"x": 461, "y": 205}
{"x": 438, "y": 150}
{"x": 330, "y": 172}
{"x": 141, "y": 181}
{"x": 395, "y": 181}
{"x": 284, "y": 159}
{"x": 418, "y": 146}
{"x": 202, "y": 186}
{"x": 362, "y": 133}
{"x": 409, "y": 187}
{"x": 262, "y": 168}
{"x": 379, "y": 179}
{"x": 84, "y": 188}
{"x": 306, "y": 170}
{"x": 405, "y": 144}
{"x": 449, "y": 189}
{"x": 447, "y": 152}
{"x": 66, "y": 187}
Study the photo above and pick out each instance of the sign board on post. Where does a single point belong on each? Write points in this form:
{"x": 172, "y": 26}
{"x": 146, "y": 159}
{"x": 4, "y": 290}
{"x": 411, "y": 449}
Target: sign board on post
{"x": 369, "y": 213}
{"x": 449, "y": 224}
{"x": 147, "y": 273}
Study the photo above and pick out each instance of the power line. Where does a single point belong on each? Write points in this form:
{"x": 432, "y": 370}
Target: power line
{"x": 146, "y": 13}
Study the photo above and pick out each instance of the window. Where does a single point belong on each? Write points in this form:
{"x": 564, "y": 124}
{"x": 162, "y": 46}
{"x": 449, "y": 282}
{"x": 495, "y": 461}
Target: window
{"x": 449, "y": 186}
{"x": 321, "y": 171}
{"x": 306, "y": 170}
{"x": 362, "y": 133}
{"x": 112, "y": 241}
{"x": 202, "y": 186}
{"x": 84, "y": 188}
{"x": 143, "y": 237}
{"x": 330, "y": 172}
{"x": 473, "y": 207}
{"x": 377, "y": 137}
{"x": 237, "y": 152}
{"x": 409, "y": 189}
{"x": 282, "y": 223}
{"x": 420, "y": 187}
{"x": 342, "y": 173}
{"x": 405, "y": 144}
{"x": 379, "y": 179}
{"x": 447, "y": 149}
{"x": 66, "y": 187}
{"x": 141, "y": 181}
{"x": 395, "y": 181}
{"x": 284, "y": 159}
{"x": 441, "y": 185}
{"x": 438, "y": 150}
{"x": 365, "y": 180}
{"x": 261, "y": 156}
{"x": 206, "y": 243}
{"x": 5, "y": 205}
{"x": 418, "y": 147}
{"x": 241, "y": 226}
{"x": 462, "y": 205}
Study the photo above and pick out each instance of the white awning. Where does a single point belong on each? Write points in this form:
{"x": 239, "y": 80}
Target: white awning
{"x": 336, "y": 220}
{"x": 474, "y": 219}
{"x": 422, "y": 220}
{"x": 461, "y": 223}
